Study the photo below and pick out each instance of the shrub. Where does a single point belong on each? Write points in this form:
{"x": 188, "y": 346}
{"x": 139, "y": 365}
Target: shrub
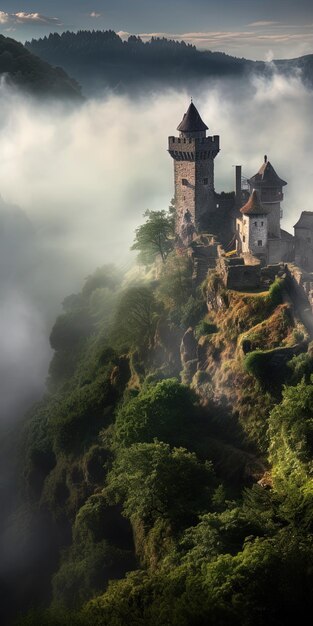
{"x": 164, "y": 410}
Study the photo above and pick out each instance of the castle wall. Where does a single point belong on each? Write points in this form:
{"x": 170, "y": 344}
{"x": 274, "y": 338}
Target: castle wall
{"x": 280, "y": 250}
{"x": 243, "y": 277}
{"x": 304, "y": 248}
{"x": 237, "y": 275}
{"x": 274, "y": 219}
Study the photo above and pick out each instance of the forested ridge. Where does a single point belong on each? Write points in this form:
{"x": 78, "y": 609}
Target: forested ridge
{"x": 172, "y": 465}
{"x": 101, "y": 59}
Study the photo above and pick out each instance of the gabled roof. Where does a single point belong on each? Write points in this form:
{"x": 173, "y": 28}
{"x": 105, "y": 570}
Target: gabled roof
{"x": 254, "y": 206}
{"x": 305, "y": 221}
{"x": 192, "y": 121}
{"x": 266, "y": 176}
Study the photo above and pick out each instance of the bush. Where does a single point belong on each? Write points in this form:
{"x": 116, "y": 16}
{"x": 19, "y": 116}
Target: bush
{"x": 192, "y": 312}
{"x": 164, "y": 410}
{"x": 205, "y": 328}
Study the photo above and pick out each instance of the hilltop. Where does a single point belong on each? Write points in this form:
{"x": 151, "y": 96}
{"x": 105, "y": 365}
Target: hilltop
{"x": 27, "y": 71}
{"x": 169, "y": 461}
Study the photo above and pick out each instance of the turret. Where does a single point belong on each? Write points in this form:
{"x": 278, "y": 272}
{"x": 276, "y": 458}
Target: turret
{"x": 193, "y": 154}
{"x": 270, "y": 188}
{"x": 252, "y": 227}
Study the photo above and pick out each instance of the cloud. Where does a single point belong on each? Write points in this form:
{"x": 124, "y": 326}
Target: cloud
{"x": 264, "y": 23}
{"x": 123, "y": 34}
{"x": 28, "y": 18}
{"x": 4, "y": 17}
{"x": 94, "y": 14}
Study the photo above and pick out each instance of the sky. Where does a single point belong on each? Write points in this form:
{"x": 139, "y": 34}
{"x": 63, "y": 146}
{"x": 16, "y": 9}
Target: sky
{"x": 256, "y": 29}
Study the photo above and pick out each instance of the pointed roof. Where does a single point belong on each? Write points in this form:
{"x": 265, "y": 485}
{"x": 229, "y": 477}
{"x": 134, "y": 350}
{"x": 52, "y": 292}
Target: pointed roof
{"x": 192, "y": 121}
{"x": 305, "y": 221}
{"x": 266, "y": 176}
{"x": 254, "y": 206}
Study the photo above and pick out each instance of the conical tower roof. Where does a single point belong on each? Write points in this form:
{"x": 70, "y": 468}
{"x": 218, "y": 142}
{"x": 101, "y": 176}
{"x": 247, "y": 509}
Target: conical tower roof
{"x": 192, "y": 121}
{"x": 254, "y": 206}
{"x": 266, "y": 176}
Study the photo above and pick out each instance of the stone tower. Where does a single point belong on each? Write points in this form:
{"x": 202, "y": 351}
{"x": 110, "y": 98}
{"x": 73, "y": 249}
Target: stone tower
{"x": 252, "y": 228}
{"x": 270, "y": 188}
{"x": 193, "y": 154}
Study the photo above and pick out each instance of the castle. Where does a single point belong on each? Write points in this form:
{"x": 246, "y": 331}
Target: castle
{"x": 246, "y": 222}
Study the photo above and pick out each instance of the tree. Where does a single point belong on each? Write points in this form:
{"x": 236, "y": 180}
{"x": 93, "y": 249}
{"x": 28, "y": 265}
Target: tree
{"x": 155, "y": 482}
{"x": 164, "y": 410}
{"x": 136, "y": 317}
{"x": 154, "y": 237}
{"x": 176, "y": 280}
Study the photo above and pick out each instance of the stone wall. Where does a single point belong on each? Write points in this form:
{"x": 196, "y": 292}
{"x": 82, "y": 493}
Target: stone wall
{"x": 236, "y": 275}
{"x": 304, "y": 248}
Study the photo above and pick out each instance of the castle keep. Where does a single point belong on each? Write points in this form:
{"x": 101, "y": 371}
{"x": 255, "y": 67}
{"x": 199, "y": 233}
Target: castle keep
{"x": 193, "y": 154}
{"x": 245, "y": 223}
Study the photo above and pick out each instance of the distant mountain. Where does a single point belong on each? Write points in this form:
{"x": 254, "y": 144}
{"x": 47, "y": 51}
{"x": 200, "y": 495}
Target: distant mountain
{"x": 101, "y": 59}
{"x": 23, "y": 69}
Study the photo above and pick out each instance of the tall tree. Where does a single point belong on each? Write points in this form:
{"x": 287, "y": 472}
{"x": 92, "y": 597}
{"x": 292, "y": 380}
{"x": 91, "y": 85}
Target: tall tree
{"x": 155, "y": 237}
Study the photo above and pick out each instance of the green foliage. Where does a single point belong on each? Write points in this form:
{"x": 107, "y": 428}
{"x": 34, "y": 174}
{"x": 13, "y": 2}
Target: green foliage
{"x": 154, "y": 482}
{"x": 270, "y": 367}
{"x": 205, "y": 328}
{"x": 275, "y": 294}
{"x": 136, "y": 318}
{"x": 175, "y": 281}
{"x": 192, "y": 312}
{"x": 164, "y": 410}
{"x": 104, "y": 277}
{"x": 91, "y": 560}
{"x": 26, "y": 70}
{"x": 154, "y": 237}
{"x": 301, "y": 366}
{"x": 82, "y": 414}
{"x": 291, "y": 436}
{"x": 70, "y": 329}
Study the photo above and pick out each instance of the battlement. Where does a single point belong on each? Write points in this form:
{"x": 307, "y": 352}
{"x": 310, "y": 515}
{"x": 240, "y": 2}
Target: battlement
{"x": 193, "y": 148}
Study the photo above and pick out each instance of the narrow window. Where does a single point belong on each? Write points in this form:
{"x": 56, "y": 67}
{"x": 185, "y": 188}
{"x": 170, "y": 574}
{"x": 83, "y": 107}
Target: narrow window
{"x": 184, "y": 182}
{"x": 244, "y": 239}
{"x": 205, "y": 181}
{"x": 262, "y": 223}
{"x": 260, "y": 242}
{"x": 255, "y": 223}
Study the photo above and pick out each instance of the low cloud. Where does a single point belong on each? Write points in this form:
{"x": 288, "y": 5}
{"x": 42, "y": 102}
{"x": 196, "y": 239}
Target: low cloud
{"x": 83, "y": 177}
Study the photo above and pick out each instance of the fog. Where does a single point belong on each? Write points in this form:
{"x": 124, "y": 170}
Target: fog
{"x": 75, "y": 182}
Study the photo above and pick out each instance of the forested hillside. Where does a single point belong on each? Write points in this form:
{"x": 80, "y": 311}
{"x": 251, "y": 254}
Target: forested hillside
{"x": 171, "y": 457}
{"x": 101, "y": 59}
{"x": 23, "y": 69}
